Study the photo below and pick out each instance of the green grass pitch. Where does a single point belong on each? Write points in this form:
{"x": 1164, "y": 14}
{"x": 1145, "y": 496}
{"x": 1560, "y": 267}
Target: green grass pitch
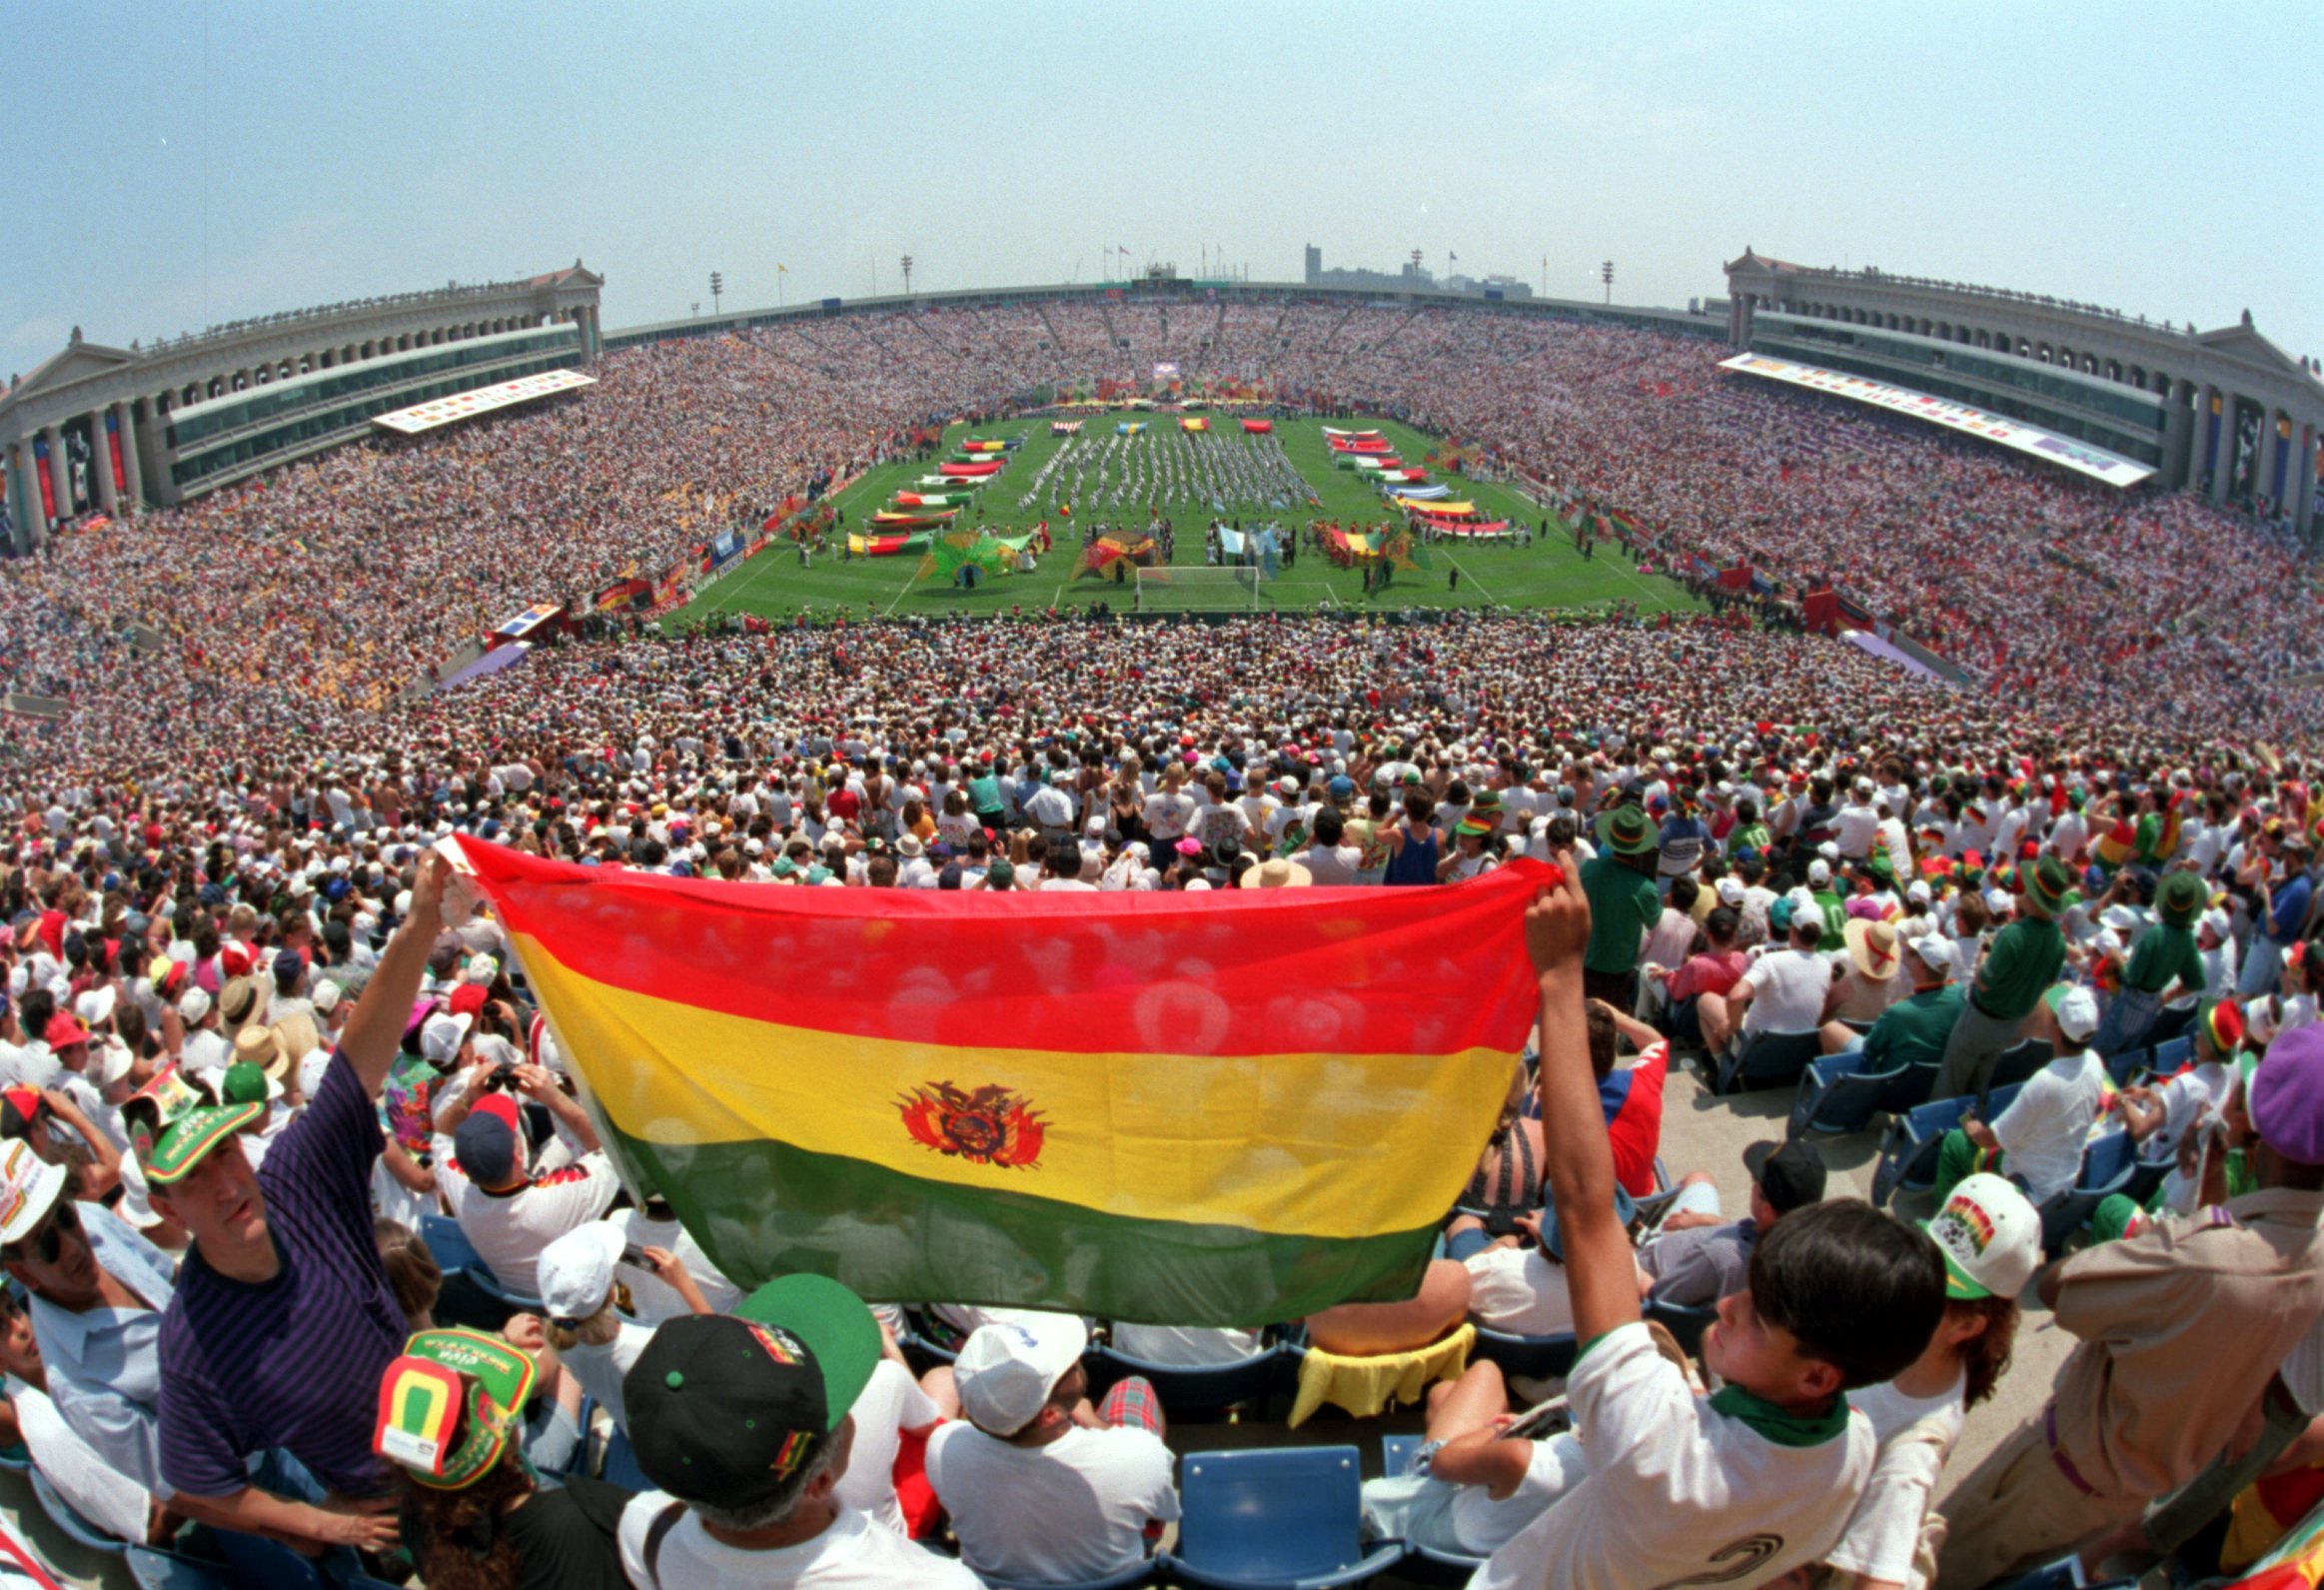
{"x": 1548, "y": 574}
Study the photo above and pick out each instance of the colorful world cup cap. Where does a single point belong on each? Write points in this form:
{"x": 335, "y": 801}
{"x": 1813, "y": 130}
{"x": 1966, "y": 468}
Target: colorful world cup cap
{"x": 29, "y": 1189}
{"x": 192, "y": 1138}
{"x": 449, "y": 1405}
{"x": 726, "y": 1409}
{"x": 1990, "y": 1237}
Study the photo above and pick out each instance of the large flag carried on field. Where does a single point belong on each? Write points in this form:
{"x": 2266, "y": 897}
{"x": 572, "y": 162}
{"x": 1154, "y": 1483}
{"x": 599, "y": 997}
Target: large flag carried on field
{"x": 1214, "y": 1111}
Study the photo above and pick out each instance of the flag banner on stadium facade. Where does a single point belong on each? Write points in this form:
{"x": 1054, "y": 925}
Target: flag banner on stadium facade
{"x": 1029, "y": 1101}
{"x": 2094, "y": 461}
{"x": 524, "y": 624}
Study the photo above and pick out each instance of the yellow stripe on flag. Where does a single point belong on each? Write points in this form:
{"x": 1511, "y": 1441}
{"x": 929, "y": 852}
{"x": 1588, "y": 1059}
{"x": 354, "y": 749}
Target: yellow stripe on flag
{"x": 1262, "y": 1142}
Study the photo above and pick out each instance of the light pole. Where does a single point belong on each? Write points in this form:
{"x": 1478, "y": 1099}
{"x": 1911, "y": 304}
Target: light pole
{"x": 717, "y": 289}
{"x": 1606, "y": 275}
{"x": 1416, "y": 270}
{"x": 698, "y": 309}
{"x": 907, "y": 275}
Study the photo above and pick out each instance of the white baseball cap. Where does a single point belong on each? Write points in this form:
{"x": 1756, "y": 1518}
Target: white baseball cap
{"x": 326, "y": 996}
{"x": 1007, "y": 1369}
{"x": 1989, "y": 1236}
{"x": 2076, "y": 1010}
{"x": 29, "y": 1189}
{"x": 1819, "y": 873}
{"x": 1935, "y": 953}
{"x": 441, "y": 1037}
{"x": 1731, "y": 892}
{"x": 193, "y": 1007}
{"x": 575, "y": 1272}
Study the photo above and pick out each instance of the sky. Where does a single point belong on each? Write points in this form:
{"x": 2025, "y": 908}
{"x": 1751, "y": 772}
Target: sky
{"x": 177, "y": 163}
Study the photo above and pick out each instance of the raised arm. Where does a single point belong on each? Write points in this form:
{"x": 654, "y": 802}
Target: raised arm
{"x": 1602, "y": 1275}
{"x": 375, "y": 1030}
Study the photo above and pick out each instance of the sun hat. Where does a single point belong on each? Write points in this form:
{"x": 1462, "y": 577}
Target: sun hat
{"x": 449, "y": 1405}
{"x": 241, "y": 1001}
{"x": 193, "y": 1137}
{"x": 1873, "y": 947}
{"x": 1281, "y": 873}
{"x": 2180, "y": 897}
{"x": 1990, "y": 1238}
{"x": 262, "y": 1047}
{"x": 2076, "y": 1010}
{"x": 2285, "y": 1098}
{"x": 725, "y": 1408}
{"x": 1625, "y": 831}
{"x": 63, "y": 1032}
{"x": 575, "y": 1272}
{"x": 1008, "y": 1368}
{"x": 29, "y": 1189}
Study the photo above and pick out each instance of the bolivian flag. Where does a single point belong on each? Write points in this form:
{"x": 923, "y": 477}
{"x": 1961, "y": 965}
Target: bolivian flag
{"x": 1220, "y": 1109}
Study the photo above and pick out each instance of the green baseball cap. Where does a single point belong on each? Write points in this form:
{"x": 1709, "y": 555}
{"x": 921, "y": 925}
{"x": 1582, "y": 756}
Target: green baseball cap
{"x": 449, "y": 1405}
{"x": 191, "y": 1139}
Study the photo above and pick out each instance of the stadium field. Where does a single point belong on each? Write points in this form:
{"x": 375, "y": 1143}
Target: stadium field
{"x": 1548, "y": 574}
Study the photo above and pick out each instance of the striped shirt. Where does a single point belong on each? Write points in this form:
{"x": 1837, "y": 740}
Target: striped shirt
{"x": 295, "y": 1362}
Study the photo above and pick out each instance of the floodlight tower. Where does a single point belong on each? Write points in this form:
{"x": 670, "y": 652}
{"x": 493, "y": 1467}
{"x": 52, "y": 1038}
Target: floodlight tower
{"x": 908, "y": 261}
{"x": 1606, "y": 275}
{"x": 717, "y": 289}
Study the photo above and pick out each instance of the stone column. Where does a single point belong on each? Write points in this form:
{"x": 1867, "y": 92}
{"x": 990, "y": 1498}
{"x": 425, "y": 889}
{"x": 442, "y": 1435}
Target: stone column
{"x": 2263, "y": 482}
{"x": 131, "y": 465}
{"x": 32, "y": 529}
{"x": 101, "y": 464}
{"x": 12, "y": 493}
{"x": 2178, "y": 431}
{"x": 2223, "y": 445}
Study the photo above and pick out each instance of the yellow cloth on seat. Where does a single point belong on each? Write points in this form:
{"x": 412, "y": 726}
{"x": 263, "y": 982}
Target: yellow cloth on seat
{"x": 1363, "y": 1386}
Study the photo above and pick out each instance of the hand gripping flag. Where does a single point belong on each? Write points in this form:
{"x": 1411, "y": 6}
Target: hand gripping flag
{"x": 1223, "y": 1110}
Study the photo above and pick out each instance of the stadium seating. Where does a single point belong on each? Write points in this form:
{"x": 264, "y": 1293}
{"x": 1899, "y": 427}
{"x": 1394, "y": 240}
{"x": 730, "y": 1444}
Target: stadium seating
{"x": 1909, "y": 1149}
{"x": 2109, "y": 1166}
{"x": 620, "y": 1465}
{"x": 1838, "y": 1095}
{"x": 257, "y": 1564}
{"x": 1771, "y": 1059}
{"x": 1535, "y": 1358}
{"x": 1423, "y": 1564}
{"x": 62, "y": 1515}
{"x": 1192, "y": 1394}
{"x": 2020, "y": 1061}
{"x": 1140, "y": 1573}
{"x": 1286, "y": 1518}
{"x": 2172, "y": 1054}
{"x": 2123, "y": 1067}
{"x": 449, "y": 1243}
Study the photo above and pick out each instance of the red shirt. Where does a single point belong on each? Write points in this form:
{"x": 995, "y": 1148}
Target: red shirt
{"x": 1633, "y": 1101}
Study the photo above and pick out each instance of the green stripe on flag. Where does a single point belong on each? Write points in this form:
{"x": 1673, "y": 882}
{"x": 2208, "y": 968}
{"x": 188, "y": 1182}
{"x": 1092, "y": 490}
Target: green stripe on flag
{"x": 765, "y": 1209}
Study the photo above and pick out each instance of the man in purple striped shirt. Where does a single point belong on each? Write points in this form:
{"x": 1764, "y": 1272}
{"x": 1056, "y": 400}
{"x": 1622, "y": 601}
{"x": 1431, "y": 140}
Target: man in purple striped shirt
{"x": 282, "y": 1322}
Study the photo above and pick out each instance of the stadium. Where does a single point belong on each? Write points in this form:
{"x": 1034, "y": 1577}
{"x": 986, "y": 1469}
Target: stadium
{"x": 1178, "y": 930}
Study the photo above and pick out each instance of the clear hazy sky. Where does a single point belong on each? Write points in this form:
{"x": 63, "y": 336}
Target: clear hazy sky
{"x": 173, "y": 163}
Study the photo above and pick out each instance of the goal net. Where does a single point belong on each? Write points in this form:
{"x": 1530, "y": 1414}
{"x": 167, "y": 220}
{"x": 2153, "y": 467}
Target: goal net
{"x": 1179, "y": 589}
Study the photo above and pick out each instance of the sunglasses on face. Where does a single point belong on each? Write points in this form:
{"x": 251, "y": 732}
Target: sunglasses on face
{"x": 50, "y": 1241}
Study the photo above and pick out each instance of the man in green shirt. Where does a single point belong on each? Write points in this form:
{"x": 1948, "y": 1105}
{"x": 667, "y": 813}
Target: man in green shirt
{"x": 2024, "y": 960}
{"x": 1913, "y": 1030}
{"x": 2164, "y": 963}
{"x": 1623, "y": 905}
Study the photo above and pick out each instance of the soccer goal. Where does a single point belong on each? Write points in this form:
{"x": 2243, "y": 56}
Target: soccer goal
{"x": 1179, "y": 589}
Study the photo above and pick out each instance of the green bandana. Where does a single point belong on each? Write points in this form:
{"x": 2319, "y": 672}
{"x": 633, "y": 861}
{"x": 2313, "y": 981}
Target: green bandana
{"x": 1780, "y": 1425}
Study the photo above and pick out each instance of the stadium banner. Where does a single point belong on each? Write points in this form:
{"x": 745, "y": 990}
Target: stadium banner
{"x": 725, "y": 548}
{"x": 483, "y": 400}
{"x": 2080, "y": 457}
{"x": 1027, "y": 1101}
{"x": 522, "y": 626}
{"x": 620, "y": 593}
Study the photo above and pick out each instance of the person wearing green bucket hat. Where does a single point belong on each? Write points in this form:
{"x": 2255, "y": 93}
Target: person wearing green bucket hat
{"x": 1624, "y": 904}
{"x": 2164, "y": 963}
{"x": 2020, "y": 968}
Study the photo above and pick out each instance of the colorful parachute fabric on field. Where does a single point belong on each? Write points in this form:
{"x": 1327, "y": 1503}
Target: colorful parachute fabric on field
{"x": 934, "y": 499}
{"x": 972, "y": 445}
{"x": 968, "y": 471}
{"x": 1444, "y": 510}
{"x": 1258, "y": 427}
{"x": 1194, "y": 422}
{"x": 1419, "y": 494}
{"x": 888, "y": 520}
{"x": 885, "y": 546}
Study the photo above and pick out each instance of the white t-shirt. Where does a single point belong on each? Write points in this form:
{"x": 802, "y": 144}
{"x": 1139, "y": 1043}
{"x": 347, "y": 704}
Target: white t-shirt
{"x": 1168, "y": 815}
{"x": 2046, "y": 1126}
{"x": 509, "y": 1230}
{"x": 1074, "y": 1509}
{"x": 1788, "y": 988}
{"x": 890, "y": 1403}
{"x": 601, "y": 1369}
{"x": 854, "y": 1554}
{"x": 1885, "y": 1530}
{"x": 1482, "y": 1526}
{"x": 1679, "y": 1492}
{"x": 1521, "y": 1292}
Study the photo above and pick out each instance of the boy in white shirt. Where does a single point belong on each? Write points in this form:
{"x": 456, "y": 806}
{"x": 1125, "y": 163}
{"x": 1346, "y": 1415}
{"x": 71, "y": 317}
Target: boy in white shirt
{"x": 1739, "y": 1488}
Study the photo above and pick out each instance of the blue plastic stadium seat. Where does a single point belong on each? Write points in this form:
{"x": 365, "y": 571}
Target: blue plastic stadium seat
{"x": 1771, "y": 1059}
{"x": 449, "y": 1243}
{"x": 1188, "y": 1391}
{"x": 1909, "y": 1148}
{"x": 254, "y": 1563}
{"x": 1838, "y": 1094}
{"x": 2171, "y": 1054}
{"x": 2109, "y": 1166}
{"x": 2123, "y": 1067}
{"x": 1281, "y": 1518}
{"x": 1137, "y": 1574}
{"x": 1536, "y": 1357}
{"x": 621, "y": 1466}
{"x": 1686, "y": 1324}
{"x": 65, "y": 1517}
{"x": 2020, "y": 1061}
